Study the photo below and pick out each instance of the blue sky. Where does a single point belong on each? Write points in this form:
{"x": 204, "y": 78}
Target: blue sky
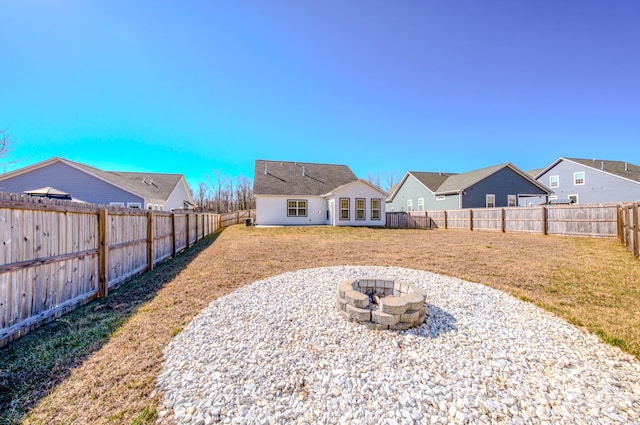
{"x": 199, "y": 87}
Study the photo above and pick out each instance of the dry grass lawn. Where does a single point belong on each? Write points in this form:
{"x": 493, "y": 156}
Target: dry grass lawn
{"x": 593, "y": 283}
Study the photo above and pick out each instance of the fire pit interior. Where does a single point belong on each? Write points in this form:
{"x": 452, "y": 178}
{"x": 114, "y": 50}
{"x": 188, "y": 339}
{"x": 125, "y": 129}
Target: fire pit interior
{"x": 381, "y": 303}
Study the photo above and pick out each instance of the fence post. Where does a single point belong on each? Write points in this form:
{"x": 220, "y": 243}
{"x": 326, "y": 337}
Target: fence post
{"x": 197, "y": 234}
{"x": 445, "y": 218}
{"x": 103, "y": 254}
{"x": 636, "y": 243}
{"x": 470, "y": 219}
{"x": 173, "y": 234}
{"x": 543, "y": 221}
{"x": 502, "y": 219}
{"x": 188, "y": 226}
{"x": 620, "y": 224}
{"x": 150, "y": 240}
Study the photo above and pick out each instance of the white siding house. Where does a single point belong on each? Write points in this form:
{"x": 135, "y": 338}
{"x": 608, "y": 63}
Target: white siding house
{"x": 296, "y": 193}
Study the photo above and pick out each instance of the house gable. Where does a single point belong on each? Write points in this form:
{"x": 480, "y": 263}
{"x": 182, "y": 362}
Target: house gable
{"x": 98, "y": 186}
{"x": 298, "y": 193}
{"x": 602, "y": 181}
{"x": 501, "y": 183}
{"x": 63, "y": 176}
{"x": 438, "y": 191}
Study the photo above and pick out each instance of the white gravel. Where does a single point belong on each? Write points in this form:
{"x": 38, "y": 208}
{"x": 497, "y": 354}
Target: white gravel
{"x": 278, "y": 352}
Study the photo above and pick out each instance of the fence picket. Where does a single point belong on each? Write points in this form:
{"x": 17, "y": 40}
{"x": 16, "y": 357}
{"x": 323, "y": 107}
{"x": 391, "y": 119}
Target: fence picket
{"x": 57, "y": 256}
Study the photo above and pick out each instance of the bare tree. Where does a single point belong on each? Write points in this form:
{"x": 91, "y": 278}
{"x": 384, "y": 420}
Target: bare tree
{"x": 390, "y": 179}
{"x": 244, "y": 193}
{"x": 6, "y": 144}
{"x": 201, "y": 196}
{"x": 374, "y": 179}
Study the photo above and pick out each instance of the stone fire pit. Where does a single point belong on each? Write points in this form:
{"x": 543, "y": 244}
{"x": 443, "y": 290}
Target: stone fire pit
{"x": 381, "y": 303}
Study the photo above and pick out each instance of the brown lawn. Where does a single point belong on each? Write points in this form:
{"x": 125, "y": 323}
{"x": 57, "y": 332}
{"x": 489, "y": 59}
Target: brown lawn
{"x": 593, "y": 283}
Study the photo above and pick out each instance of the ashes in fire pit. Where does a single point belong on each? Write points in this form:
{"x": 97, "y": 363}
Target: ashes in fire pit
{"x": 381, "y": 304}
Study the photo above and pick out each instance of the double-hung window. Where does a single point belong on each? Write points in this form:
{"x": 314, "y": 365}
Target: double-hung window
{"x": 296, "y": 208}
{"x": 420, "y": 204}
{"x": 375, "y": 209}
{"x": 578, "y": 178}
{"x": 554, "y": 181}
{"x": 361, "y": 210}
{"x": 491, "y": 200}
{"x": 344, "y": 208}
{"x": 511, "y": 200}
{"x": 409, "y": 204}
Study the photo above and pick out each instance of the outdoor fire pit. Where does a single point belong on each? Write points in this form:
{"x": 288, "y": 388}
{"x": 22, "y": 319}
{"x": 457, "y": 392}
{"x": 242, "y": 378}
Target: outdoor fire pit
{"x": 381, "y": 303}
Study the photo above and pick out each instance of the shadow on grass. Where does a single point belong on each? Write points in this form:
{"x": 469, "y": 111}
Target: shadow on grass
{"x": 31, "y": 367}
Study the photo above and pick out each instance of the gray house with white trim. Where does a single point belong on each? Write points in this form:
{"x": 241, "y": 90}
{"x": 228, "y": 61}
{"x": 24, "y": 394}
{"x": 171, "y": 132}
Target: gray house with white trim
{"x": 154, "y": 191}
{"x": 591, "y": 181}
{"x": 501, "y": 185}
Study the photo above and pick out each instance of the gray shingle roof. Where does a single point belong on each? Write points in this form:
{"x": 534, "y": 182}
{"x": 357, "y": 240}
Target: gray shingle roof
{"x": 431, "y": 180}
{"x": 618, "y": 168}
{"x": 457, "y": 182}
{"x": 156, "y": 186}
{"x": 299, "y": 178}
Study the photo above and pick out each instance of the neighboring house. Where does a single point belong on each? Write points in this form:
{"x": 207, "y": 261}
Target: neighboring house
{"x": 591, "y": 181}
{"x": 164, "y": 192}
{"x": 501, "y": 185}
{"x": 302, "y": 193}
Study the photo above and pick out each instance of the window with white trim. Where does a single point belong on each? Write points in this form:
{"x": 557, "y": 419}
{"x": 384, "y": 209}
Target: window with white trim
{"x": 344, "y": 208}
{"x": 441, "y": 198}
{"x": 375, "y": 208}
{"x": 578, "y": 178}
{"x": 420, "y": 204}
{"x": 491, "y": 200}
{"x": 361, "y": 209}
{"x": 553, "y": 197}
{"x": 296, "y": 208}
{"x": 511, "y": 200}
{"x": 573, "y": 199}
{"x": 554, "y": 181}
{"x": 134, "y": 205}
{"x": 409, "y": 204}
{"x": 116, "y": 204}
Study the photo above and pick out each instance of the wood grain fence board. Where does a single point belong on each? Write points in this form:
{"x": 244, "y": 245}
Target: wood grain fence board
{"x": 5, "y": 236}
{"x": 5, "y": 299}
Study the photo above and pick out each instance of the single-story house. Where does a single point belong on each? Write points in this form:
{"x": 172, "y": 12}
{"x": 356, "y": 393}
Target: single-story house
{"x": 591, "y": 181}
{"x": 155, "y": 191}
{"x": 303, "y": 193}
{"x": 501, "y": 185}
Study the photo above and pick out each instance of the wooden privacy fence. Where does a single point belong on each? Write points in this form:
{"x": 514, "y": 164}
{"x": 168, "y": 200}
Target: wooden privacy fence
{"x": 56, "y": 256}
{"x": 628, "y": 226}
{"x": 577, "y": 220}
